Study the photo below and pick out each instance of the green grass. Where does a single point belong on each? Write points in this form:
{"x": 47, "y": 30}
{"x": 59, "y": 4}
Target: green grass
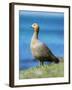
{"x": 45, "y": 71}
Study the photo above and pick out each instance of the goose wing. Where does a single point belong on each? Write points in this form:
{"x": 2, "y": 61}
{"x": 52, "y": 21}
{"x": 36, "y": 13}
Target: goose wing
{"x": 43, "y": 52}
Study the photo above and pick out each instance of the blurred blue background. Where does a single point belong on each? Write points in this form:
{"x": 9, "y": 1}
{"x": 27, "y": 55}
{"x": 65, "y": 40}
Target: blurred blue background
{"x": 51, "y": 33}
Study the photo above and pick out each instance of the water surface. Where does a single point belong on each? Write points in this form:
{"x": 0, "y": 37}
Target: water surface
{"x": 51, "y": 33}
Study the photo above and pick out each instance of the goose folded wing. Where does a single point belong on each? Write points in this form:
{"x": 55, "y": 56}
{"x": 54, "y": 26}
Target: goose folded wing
{"x": 44, "y": 52}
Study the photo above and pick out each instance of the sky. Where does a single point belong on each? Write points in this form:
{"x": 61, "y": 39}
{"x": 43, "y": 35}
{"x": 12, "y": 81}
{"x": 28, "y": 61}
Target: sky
{"x": 51, "y": 32}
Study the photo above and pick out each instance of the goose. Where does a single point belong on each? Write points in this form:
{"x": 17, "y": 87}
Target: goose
{"x": 39, "y": 50}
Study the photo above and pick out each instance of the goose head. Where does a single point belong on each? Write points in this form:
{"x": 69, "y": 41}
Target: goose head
{"x": 35, "y": 26}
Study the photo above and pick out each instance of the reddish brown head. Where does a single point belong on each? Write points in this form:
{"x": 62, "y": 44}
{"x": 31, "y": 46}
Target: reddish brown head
{"x": 35, "y": 26}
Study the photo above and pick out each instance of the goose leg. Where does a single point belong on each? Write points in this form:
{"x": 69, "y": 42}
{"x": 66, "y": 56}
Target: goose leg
{"x": 41, "y": 63}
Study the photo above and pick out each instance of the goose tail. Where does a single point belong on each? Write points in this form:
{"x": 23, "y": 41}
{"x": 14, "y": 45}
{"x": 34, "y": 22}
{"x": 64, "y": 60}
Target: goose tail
{"x": 57, "y": 60}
